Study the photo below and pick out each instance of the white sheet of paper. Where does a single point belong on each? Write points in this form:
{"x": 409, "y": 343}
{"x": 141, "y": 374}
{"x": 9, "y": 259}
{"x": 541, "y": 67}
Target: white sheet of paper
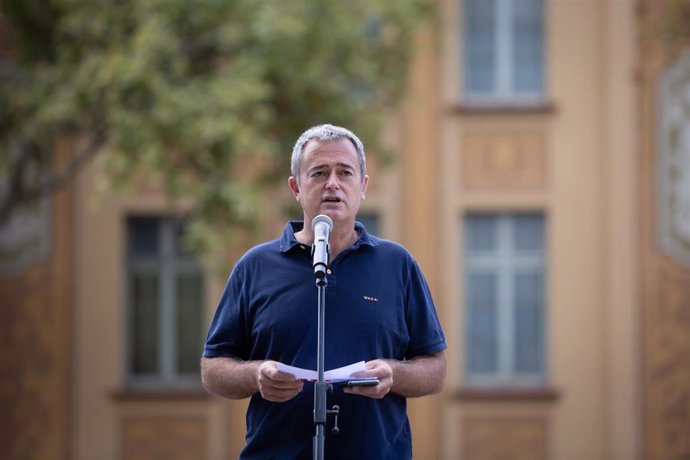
{"x": 334, "y": 375}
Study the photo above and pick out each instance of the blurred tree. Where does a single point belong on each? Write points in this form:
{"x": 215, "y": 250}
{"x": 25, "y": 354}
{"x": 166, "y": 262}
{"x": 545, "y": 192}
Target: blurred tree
{"x": 664, "y": 25}
{"x": 208, "y": 95}
{"x": 675, "y": 24}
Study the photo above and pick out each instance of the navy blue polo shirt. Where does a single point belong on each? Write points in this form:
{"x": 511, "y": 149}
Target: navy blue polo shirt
{"x": 378, "y": 306}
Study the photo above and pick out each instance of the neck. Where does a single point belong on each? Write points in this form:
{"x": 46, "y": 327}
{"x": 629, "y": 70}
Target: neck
{"x": 340, "y": 238}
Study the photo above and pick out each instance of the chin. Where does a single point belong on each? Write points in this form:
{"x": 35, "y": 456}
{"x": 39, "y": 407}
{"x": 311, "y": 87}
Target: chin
{"x": 334, "y": 215}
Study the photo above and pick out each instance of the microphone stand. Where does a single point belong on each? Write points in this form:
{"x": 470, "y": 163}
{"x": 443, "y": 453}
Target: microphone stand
{"x": 321, "y": 388}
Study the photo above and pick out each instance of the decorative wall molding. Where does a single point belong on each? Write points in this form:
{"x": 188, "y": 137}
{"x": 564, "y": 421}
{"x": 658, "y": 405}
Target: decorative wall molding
{"x": 667, "y": 373}
{"x": 508, "y": 160}
{"x": 674, "y": 160}
{"x": 168, "y": 437}
{"x": 521, "y": 438}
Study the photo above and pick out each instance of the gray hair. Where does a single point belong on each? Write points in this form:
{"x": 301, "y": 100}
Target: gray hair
{"x": 326, "y": 132}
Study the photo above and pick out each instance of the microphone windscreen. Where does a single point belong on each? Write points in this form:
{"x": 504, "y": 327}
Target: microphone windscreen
{"x": 322, "y": 218}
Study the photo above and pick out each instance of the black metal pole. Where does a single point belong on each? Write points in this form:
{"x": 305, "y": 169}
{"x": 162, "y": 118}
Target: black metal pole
{"x": 322, "y": 226}
{"x": 320, "y": 387}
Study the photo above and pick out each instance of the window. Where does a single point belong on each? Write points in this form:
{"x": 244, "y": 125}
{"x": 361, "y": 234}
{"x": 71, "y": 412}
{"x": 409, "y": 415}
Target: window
{"x": 504, "y": 298}
{"x": 503, "y": 51}
{"x": 165, "y": 287}
{"x": 370, "y": 220}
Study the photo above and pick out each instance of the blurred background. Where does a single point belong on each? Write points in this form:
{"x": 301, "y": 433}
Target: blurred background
{"x": 534, "y": 156}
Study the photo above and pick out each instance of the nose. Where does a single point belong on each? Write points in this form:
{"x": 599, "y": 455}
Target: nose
{"x": 332, "y": 182}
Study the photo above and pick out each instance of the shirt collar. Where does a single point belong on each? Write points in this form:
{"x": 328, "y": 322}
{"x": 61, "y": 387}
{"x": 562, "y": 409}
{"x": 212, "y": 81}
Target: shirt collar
{"x": 288, "y": 240}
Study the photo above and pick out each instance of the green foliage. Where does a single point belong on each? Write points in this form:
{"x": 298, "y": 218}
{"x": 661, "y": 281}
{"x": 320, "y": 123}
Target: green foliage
{"x": 677, "y": 21}
{"x": 665, "y": 25}
{"x": 194, "y": 91}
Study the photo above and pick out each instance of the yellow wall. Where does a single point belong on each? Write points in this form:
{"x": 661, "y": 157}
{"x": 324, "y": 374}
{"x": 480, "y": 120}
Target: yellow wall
{"x": 112, "y": 421}
{"x": 577, "y": 161}
{"x": 585, "y": 159}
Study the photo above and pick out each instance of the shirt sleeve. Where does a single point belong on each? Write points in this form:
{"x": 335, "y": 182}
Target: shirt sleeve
{"x": 426, "y": 333}
{"x": 227, "y": 333}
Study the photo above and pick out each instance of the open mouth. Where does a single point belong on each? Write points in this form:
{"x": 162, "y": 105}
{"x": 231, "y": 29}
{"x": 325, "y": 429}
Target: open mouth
{"x": 332, "y": 199}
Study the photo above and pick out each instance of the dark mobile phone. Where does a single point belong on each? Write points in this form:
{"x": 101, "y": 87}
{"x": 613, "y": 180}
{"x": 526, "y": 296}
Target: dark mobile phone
{"x": 366, "y": 382}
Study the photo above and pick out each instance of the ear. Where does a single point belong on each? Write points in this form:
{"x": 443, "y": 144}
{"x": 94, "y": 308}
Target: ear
{"x": 365, "y": 183}
{"x": 292, "y": 182}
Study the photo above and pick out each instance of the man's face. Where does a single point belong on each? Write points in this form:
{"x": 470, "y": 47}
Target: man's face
{"x": 330, "y": 181}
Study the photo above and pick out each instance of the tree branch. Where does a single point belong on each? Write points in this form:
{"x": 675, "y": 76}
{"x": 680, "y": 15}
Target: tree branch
{"x": 20, "y": 192}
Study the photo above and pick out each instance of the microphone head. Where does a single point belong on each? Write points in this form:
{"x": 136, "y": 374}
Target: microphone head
{"x": 322, "y": 219}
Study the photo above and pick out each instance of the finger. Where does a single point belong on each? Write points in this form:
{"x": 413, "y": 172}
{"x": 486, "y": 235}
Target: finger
{"x": 375, "y": 392}
{"x": 371, "y": 364}
{"x": 278, "y": 394}
{"x": 270, "y": 371}
{"x": 267, "y": 382}
{"x": 363, "y": 374}
{"x": 287, "y": 385}
{"x": 283, "y": 376}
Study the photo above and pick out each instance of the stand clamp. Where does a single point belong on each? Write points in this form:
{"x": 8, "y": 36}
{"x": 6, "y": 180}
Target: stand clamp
{"x": 334, "y": 412}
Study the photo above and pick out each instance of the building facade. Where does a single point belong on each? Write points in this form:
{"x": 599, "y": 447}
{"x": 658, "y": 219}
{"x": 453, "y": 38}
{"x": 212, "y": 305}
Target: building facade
{"x": 540, "y": 179}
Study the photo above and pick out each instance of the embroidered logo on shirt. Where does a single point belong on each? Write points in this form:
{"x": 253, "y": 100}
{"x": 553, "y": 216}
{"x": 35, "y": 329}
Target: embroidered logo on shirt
{"x": 371, "y": 299}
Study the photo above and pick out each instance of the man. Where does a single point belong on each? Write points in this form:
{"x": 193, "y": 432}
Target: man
{"x": 378, "y": 309}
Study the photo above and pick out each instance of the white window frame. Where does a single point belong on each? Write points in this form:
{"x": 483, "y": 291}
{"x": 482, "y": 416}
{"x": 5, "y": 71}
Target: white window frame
{"x": 504, "y": 93}
{"x": 166, "y": 266}
{"x": 505, "y": 263}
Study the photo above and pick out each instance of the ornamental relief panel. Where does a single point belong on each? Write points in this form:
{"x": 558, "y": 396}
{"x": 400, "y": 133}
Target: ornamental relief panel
{"x": 504, "y": 160}
{"x": 171, "y": 438}
{"x": 666, "y": 264}
{"x": 674, "y": 161}
{"x": 667, "y": 373}
{"x": 521, "y": 438}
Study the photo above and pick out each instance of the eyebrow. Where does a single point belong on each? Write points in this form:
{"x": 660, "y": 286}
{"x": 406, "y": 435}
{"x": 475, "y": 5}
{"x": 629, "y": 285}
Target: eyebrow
{"x": 325, "y": 166}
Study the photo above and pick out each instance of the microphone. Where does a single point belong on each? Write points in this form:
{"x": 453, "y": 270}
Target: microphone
{"x": 322, "y": 226}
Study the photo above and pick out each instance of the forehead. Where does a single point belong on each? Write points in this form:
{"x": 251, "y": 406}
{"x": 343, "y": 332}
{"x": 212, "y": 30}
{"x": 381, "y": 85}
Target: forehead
{"x": 340, "y": 151}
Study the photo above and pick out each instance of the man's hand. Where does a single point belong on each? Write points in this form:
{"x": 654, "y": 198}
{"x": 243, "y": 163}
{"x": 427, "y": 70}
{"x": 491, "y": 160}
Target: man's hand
{"x": 419, "y": 376}
{"x": 236, "y": 379}
{"x": 276, "y": 386}
{"x": 380, "y": 369}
